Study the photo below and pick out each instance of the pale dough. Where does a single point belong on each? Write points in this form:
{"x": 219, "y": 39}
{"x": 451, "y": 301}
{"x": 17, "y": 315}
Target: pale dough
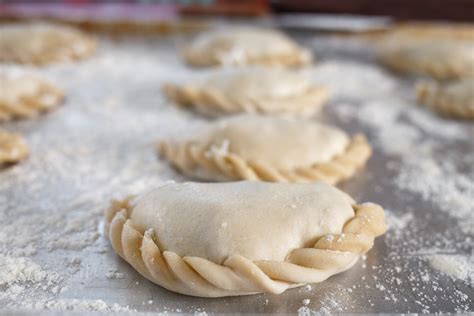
{"x": 237, "y": 238}
{"x": 454, "y": 98}
{"x": 252, "y": 90}
{"x": 12, "y": 148}
{"x": 25, "y": 96}
{"x": 269, "y": 149}
{"x": 443, "y": 52}
{"x": 43, "y": 43}
{"x": 244, "y": 46}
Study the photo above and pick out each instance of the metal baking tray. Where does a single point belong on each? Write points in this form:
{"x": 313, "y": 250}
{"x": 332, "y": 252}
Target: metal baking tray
{"x": 100, "y": 144}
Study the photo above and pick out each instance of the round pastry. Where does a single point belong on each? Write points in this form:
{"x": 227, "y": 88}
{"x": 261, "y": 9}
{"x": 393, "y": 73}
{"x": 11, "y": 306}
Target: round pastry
{"x": 240, "y": 238}
{"x": 268, "y": 149}
{"x": 245, "y": 46}
{"x": 251, "y": 90}
{"x": 41, "y": 43}
{"x": 26, "y": 96}
{"x": 12, "y": 148}
{"x": 455, "y": 99}
{"x": 443, "y": 52}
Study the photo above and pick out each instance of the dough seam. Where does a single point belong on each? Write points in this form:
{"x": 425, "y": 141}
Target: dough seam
{"x": 195, "y": 276}
{"x": 213, "y": 102}
{"x": 186, "y": 157}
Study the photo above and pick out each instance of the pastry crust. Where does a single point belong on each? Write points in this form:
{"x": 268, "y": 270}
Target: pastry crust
{"x": 268, "y": 149}
{"x": 26, "y": 96}
{"x": 245, "y": 46}
{"x": 42, "y": 43}
{"x": 251, "y": 90}
{"x": 12, "y": 148}
{"x": 129, "y": 225}
{"x": 455, "y": 99}
{"x": 443, "y": 52}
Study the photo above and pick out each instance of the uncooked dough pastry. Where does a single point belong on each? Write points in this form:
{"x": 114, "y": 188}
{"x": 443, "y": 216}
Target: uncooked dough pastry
{"x": 252, "y": 90}
{"x": 454, "y": 99}
{"x": 25, "y": 96}
{"x": 240, "y": 238}
{"x": 41, "y": 43}
{"x": 12, "y": 148}
{"x": 244, "y": 46}
{"x": 443, "y": 52}
{"x": 263, "y": 148}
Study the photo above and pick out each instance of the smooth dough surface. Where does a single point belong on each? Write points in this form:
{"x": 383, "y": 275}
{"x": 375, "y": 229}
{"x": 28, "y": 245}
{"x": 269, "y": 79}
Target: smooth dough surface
{"x": 251, "y": 90}
{"x": 245, "y": 45}
{"x": 280, "y": 142}
{"x": 259, "y": 82}
{"x": 12, "y": 147}
{"x": 454, "y": 98}
{"x": 440, "y": 52}
{"x": 257, "y": 220}
{"x": 42, "y": 43}
{"x": 23, "y": 96}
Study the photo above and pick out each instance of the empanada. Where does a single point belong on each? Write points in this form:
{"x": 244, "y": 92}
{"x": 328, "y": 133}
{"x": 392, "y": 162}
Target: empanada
{"x": 41, "y": 43}
{"x": 454, "y": 99}
{"x": 12, "y": 147}
{"x": 240, "y": 238}
{"x": 443, "y": 52}
{"x": 25, "y": 96}
{"x": 245, "y": 46}
{"x": 251, "y": 90}
{"x": 268, "y": 149}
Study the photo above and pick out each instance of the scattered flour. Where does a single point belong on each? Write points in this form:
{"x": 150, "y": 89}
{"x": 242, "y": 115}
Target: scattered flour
{"x": 23, "y": 271}
{"x": 456, "y": 266}
{"x": 96, "y": 166}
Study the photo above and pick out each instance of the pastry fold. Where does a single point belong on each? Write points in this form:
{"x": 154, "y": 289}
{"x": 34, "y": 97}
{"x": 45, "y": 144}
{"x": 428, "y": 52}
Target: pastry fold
{"x": 237, "y": 275}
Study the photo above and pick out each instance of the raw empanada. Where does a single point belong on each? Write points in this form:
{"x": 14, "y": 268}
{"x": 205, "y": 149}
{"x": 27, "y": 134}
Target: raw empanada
{"x": 251, "y": 90}
{"x": 245, "y": 46}
{"x": 12, "y": 148}
{"x": 454, "y": 99}
{"x": 268, "y": 149}
{"x": 443, "y": 52}
{"x": 24, "y": 96}
{"x": 239, "y": 238}
{"x": 41, "y": 43}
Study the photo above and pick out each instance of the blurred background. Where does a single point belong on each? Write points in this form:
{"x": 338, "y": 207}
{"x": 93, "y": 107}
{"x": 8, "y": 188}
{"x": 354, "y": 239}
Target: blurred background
{"x": 164, "y": 15}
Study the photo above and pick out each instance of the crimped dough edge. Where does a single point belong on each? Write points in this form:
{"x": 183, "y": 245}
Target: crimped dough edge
{"x": 208, "y": 165}
{"x": 32, "y": 106}
{"x": 297, "y": 57}
{"x": 431, "y": 95}
{"x": 12, "y": 148}
{"x": 214, "y": 103}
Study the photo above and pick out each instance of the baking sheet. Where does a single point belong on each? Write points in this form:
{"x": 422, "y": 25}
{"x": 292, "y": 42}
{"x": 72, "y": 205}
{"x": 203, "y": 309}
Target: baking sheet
{"x": 101, "y": 144}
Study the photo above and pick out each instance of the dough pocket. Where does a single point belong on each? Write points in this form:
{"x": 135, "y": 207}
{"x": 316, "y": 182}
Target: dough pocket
{"x": 245, "y": 46}
{"x": 249, "y": 147}
{"x": 251, "y": 90}
{"x": 240, "y": 238}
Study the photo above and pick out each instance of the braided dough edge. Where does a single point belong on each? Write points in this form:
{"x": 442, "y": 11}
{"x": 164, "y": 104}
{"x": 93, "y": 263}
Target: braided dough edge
{"x": 12, "y": 148}
{"x": 47, "y": 98}
{"x": 196, "y": 276}
{"x": 212, "y": 102}
{"x": 211, "y": 164}
{"x": 429, "y": 94}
